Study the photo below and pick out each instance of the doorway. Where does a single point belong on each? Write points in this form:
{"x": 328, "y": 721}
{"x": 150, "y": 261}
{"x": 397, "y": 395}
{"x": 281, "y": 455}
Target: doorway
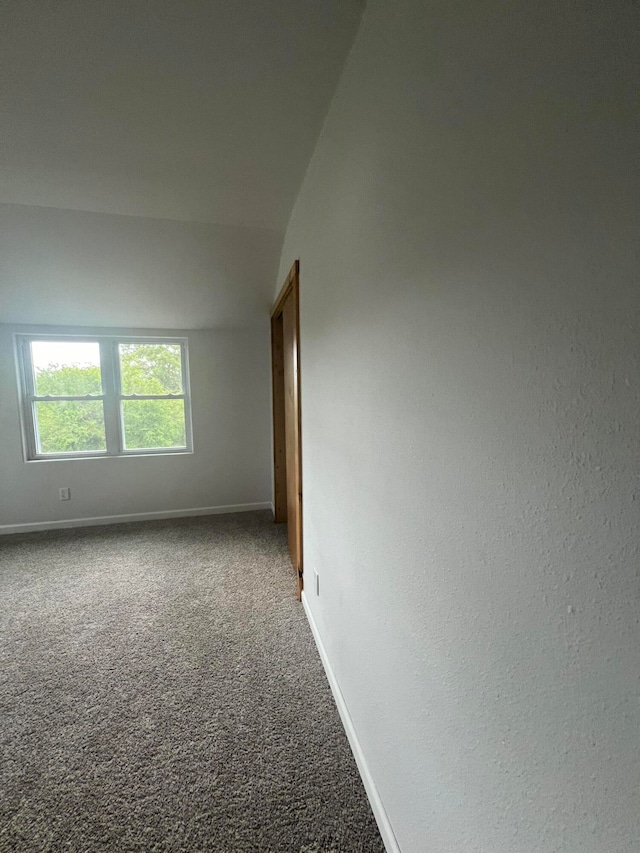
{"x": 287, "y": 451}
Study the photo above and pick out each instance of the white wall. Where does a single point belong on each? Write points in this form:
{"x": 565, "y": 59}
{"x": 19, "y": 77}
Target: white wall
{"x": 470, "y": 308}
{"x": 73, "y": 267}
{"x": 230, "y": 463}
{"x": 83, "y": 270}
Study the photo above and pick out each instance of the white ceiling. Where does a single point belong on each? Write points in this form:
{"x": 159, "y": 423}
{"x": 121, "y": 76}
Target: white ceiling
{"x": 204, "y": 110}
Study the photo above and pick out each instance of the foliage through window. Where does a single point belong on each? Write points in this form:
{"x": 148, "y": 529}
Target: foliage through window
{"x": 104, "y": 396}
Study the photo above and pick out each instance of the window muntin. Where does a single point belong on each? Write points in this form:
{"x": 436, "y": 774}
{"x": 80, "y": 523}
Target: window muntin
{"x": 104, "y": 396}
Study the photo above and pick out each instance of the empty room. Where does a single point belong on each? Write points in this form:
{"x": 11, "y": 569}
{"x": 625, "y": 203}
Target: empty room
{"x": 319, "y": 426}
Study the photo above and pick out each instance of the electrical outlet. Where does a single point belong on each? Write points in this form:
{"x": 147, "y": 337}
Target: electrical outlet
{"x": 65, "y": 493}
{"x": 316, "y": 580}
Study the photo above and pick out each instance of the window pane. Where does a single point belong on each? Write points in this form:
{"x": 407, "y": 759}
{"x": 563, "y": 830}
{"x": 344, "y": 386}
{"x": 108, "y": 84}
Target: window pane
{"x": 70, "y": 425}
{"x": 151, "y": 368}
{"x": 153, "y": 423}
{"x": 66, "y": 369}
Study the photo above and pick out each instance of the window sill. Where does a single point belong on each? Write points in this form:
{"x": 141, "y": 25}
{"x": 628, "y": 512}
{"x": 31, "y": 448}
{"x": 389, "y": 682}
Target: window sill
{"x": 132, "y": 455}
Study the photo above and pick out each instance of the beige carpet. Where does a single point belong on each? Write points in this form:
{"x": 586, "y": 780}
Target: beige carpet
{"x": 161, "y": 691}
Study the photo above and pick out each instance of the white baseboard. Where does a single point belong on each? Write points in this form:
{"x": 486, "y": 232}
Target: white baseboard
{"x": 378, "y": 809}
{"x": 134, "y": 516}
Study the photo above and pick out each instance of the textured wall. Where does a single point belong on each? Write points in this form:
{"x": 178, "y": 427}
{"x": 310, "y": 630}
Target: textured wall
{"x": 467, "y": 231}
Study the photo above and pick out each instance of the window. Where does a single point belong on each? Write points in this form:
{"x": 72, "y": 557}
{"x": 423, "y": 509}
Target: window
{"x": 103, "y": 396}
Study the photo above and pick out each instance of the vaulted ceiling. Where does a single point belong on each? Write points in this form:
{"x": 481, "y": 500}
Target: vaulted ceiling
{"x": 203, "y": 110}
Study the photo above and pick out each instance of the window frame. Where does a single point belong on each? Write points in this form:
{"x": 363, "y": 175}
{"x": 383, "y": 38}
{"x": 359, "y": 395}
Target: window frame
{"x": 111, "y": 396}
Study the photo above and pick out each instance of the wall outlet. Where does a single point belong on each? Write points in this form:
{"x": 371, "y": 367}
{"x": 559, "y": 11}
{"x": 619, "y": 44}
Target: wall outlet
{"x": 65, "y": 493}
{"x": 316, "y": 582}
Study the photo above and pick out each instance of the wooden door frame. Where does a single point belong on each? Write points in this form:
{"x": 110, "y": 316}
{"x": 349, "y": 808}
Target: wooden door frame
{"x": 291, "y": 285}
